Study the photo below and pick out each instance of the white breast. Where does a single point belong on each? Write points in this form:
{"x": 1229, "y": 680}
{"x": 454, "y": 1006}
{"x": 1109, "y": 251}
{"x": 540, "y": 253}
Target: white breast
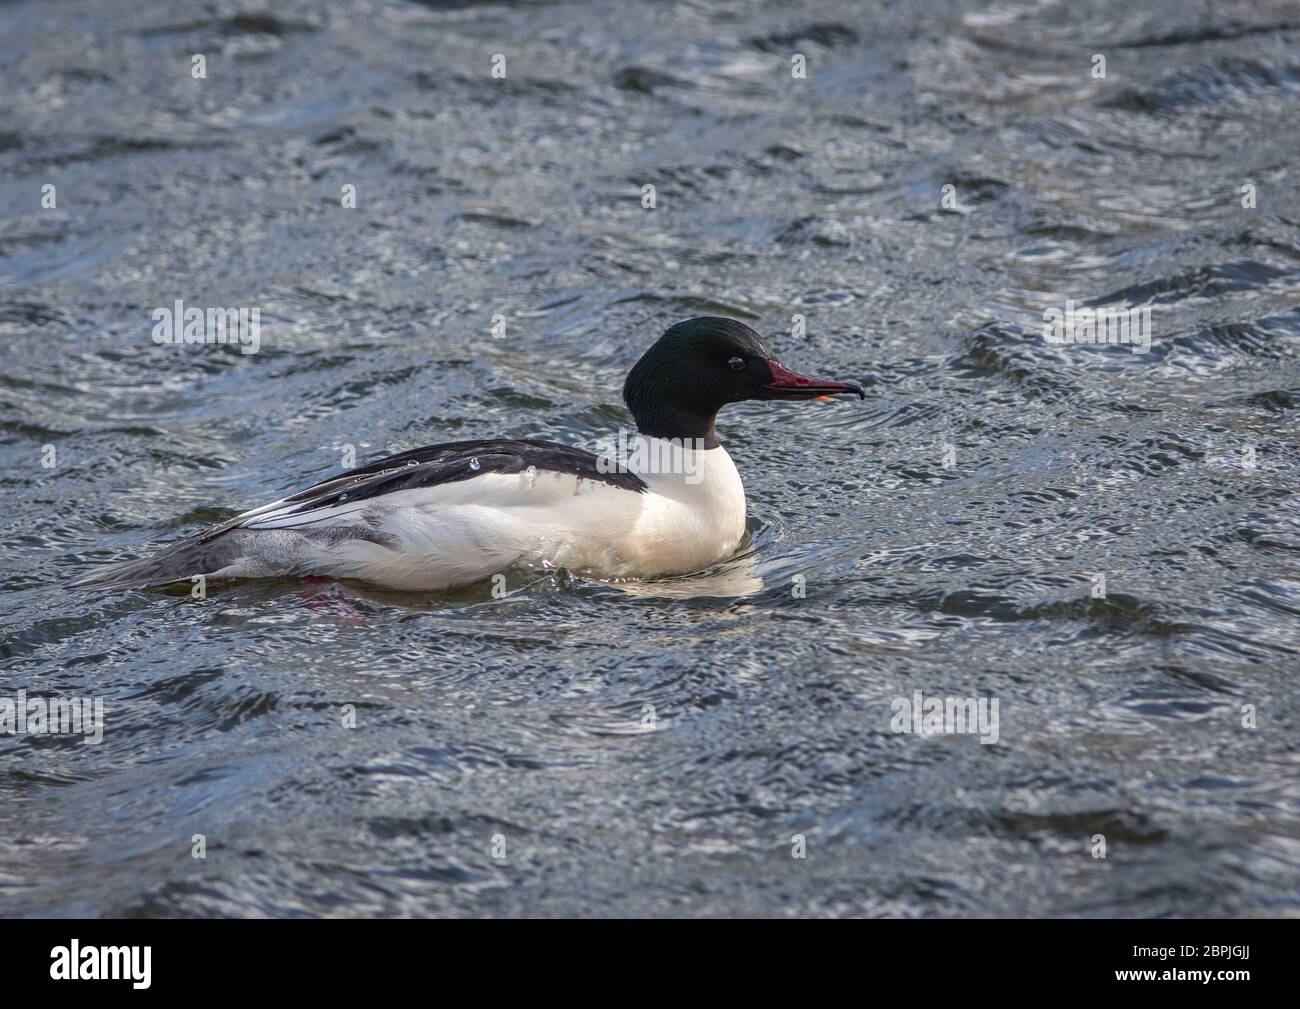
{"x": 694, "y": 513}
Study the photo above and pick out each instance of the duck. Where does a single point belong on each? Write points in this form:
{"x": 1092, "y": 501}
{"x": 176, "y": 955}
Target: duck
{"x": 668, "y": 501}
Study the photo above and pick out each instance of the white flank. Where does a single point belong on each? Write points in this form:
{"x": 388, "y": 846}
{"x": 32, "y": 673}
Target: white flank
{"x": 461, "y": 532}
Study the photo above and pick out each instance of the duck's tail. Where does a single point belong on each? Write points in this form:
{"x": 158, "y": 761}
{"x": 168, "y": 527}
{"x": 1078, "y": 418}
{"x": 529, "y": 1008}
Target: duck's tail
{"x": 179, "y": 562}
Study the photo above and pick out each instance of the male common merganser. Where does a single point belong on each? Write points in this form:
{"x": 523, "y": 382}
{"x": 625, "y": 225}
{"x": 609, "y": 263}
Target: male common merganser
{"x": 453, "y": 514}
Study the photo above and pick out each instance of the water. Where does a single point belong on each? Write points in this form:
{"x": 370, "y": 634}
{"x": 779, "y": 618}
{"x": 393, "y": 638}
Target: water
{"x": 654, "y": 749}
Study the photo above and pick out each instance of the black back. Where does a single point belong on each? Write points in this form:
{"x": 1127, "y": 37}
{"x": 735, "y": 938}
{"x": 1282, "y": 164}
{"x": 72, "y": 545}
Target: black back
{"x": 439, "y": 464}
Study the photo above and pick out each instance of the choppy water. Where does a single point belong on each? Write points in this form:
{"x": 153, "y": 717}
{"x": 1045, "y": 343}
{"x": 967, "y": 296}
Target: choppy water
{"x": 522, "y": 717}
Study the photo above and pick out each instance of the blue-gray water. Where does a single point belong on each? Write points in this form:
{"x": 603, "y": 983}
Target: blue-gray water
{"x": 960, "y": 573}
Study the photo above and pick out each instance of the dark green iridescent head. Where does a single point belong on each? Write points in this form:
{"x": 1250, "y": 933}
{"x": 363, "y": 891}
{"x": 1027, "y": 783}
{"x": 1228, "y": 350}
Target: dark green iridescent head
{"x": 699, "y": 366}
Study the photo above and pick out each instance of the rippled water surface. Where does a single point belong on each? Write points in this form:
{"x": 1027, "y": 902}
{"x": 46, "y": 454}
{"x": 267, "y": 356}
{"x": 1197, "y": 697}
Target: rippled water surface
{"x": 523, "y": 719}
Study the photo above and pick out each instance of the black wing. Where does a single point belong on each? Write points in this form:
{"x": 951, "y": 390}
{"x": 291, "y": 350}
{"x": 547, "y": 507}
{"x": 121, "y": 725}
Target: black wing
{"x": 432, "y": 465}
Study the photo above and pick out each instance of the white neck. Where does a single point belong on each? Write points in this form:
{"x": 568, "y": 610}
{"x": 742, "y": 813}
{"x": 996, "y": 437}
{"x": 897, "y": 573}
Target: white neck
{"x": 673, "y": 460}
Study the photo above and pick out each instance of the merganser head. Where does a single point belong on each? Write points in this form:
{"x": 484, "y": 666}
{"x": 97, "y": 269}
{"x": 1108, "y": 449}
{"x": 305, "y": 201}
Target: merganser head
{"x": 701, "y": 365}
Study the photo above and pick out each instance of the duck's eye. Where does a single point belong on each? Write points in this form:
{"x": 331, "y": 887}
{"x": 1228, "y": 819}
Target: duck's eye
{"x": 736, "y": 363}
